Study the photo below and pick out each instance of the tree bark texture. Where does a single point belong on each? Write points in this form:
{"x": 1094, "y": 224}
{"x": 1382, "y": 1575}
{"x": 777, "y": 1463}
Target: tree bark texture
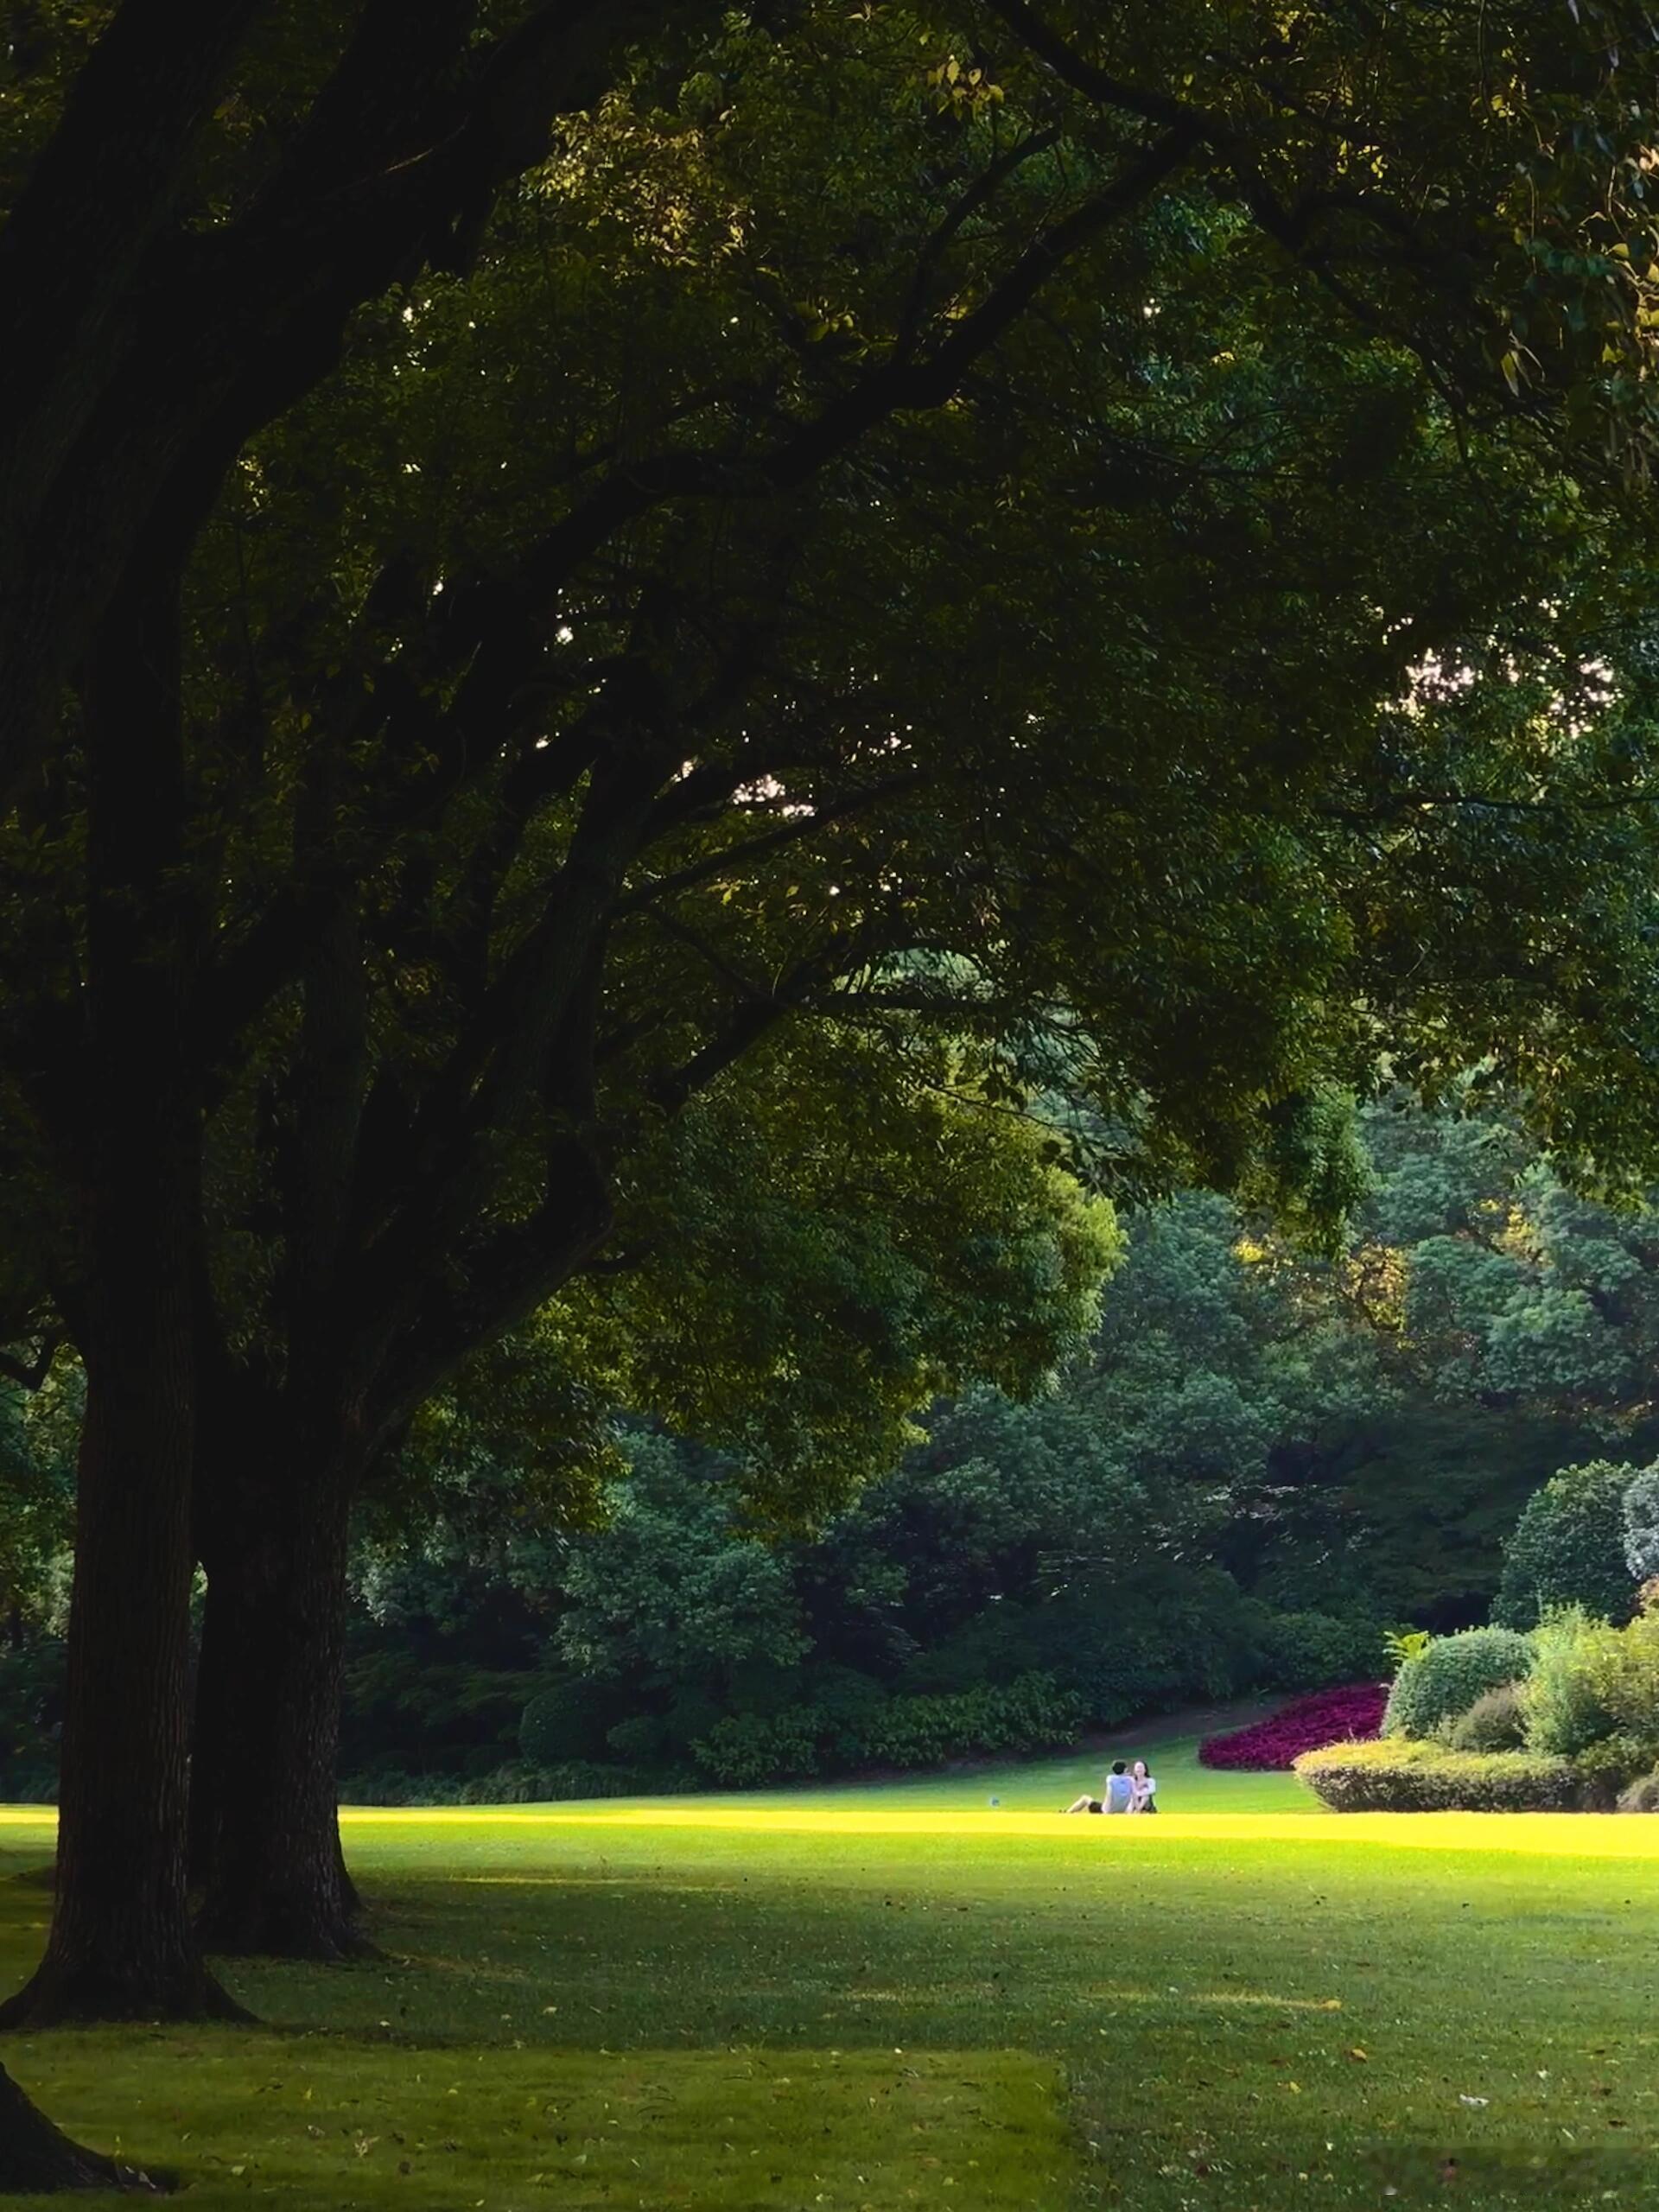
{"x": 121, "y": 1945}
{"x": 265, "y": 1831}
{"x": 37, "y": 2158}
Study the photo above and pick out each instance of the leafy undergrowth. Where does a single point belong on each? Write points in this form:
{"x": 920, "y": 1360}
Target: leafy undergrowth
{"x": 1277, "y": 2012}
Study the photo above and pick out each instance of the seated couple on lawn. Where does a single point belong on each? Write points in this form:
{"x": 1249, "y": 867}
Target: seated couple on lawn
{"x": 1126, "y": 1789}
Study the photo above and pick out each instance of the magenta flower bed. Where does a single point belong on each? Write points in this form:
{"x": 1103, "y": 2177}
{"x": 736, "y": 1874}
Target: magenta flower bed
{"x": 1350, "y": 1714}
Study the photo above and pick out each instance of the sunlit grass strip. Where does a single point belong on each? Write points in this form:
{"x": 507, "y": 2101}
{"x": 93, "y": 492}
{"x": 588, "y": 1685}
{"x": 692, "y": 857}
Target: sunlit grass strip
{"x": 1570, "y": 1835}
{"x": 1567, "y": 1835}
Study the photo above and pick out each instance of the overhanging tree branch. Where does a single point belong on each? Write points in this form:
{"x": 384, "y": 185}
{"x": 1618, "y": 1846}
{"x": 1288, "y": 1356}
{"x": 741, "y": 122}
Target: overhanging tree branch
{"x": 1293, "y": 224}
{"x": 103, "y": 190}
{"x": 30, "y": 1375}
{"x": 736, "y": 860}
{"x": 979, "y": 194}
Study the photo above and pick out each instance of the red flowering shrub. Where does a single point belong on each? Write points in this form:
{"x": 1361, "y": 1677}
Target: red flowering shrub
{"x": 1350, "y": 1714}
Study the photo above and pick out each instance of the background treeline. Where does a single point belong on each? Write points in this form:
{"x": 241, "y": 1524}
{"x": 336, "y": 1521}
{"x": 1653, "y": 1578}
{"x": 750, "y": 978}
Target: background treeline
{"x": 1267, "y": 1457}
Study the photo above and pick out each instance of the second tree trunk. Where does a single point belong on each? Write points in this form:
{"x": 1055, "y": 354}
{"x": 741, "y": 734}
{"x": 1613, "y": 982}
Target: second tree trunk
{"x": 265, "y": 1834}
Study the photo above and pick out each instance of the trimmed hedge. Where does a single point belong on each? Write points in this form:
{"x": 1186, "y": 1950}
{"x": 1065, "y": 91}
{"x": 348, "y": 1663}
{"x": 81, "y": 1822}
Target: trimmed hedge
{"x": 1391, "y": 1776}
{"x": 1612, "y": 1765}
{"x": 1446, "y": 1678}
{"x": 1349, "y": 1714}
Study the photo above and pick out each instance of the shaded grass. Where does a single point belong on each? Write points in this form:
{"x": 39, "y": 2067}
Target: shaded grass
{"x": 1186, "y": 2015}
{"x": 317, "y": 2123}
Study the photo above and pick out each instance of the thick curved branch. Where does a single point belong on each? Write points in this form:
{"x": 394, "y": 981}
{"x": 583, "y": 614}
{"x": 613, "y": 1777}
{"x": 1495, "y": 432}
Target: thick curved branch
{"x": 499, "y": 1283}
{"x": 101, "y": 193}
{"x": 30, "y": 1375}
{"x": 979, "y": 194}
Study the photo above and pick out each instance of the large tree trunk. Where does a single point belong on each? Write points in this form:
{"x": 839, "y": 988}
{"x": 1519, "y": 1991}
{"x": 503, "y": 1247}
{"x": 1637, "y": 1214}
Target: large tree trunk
{"x": 121, "y": 1945}
{"x": 39, "y": 2159}
{"x": 265, "y": 1827}
{"x": 277, "y": 1469}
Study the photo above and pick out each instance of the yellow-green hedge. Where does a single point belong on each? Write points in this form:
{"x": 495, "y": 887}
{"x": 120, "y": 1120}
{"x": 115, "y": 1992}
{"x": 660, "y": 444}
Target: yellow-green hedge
{"x": 1396, "y": 1775}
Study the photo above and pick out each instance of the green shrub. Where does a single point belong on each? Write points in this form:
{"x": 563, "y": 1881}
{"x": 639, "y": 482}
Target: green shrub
{"x": 690, "y": 1713}
{"x": 31, "y": 1707}
{"x": 1400, "y": 1644}
{"x": 31, "y": 1785}
{"x": 1496, "y": 1721}
{"x": 1394, "y": 1776}
{"x": 1565, "y": 1710}
{"x": 1624, "y": 1668}
{"x": 1029, "y": 1715}
{"x": 563, "y": 1720}
{"x": 1568, "y": 1549}
{"x": 638, "y": 1739}
{"x": 1642, "y": 1525}
{"x": 1315, "y": 1651}
{"x": 1612, "y": 1765}
{"x": 520, "y": 1784}
{"x": 849, "y": 1702}
{"x": 747, "y": 1749}
{"x": 1171, "y": 1634}
{"x": 392, "y": 1786}
{"x": 851, "y": 1731}
{"x": 515, "y": 1784}
{"x": 1446, "y": 1677}
{"x": 1642, "y": 1796}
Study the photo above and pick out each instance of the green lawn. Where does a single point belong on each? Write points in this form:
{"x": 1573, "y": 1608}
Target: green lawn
{"x": 722, "y": 2005}
{"x": 1183, "y": 1785}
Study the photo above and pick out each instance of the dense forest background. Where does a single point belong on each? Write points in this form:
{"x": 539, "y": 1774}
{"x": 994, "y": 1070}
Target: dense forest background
{"x": 1266, "y": 1456}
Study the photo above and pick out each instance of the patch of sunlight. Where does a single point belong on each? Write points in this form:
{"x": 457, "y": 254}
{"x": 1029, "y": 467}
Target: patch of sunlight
{"x": 1266, "y": 1996}
{"x": 1571, "y": 1835}
{"x": 591, "y": 1882}
{"x": 1118, "y": 1997}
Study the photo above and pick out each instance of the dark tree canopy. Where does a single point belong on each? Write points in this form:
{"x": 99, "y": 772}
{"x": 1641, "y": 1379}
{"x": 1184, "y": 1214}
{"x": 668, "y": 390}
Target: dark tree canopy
{"x": 557, "y": 563}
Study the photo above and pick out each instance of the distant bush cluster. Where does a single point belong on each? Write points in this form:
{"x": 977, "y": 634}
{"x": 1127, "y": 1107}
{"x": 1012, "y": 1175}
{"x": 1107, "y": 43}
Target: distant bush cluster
{"x": 515, "y": 1784}
{"x": 1580, "y": 1541}
{"x": 1444, "y": 1679}
{"x": 1032, "y": 1715}
{"x": 1491, "y": 1720}
{"x": 1352, "y": 1713}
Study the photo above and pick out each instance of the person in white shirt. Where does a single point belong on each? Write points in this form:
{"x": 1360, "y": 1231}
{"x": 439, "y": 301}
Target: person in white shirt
{"x": 1117, "y": 1793}
{"x": 1143, "y": 1789}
